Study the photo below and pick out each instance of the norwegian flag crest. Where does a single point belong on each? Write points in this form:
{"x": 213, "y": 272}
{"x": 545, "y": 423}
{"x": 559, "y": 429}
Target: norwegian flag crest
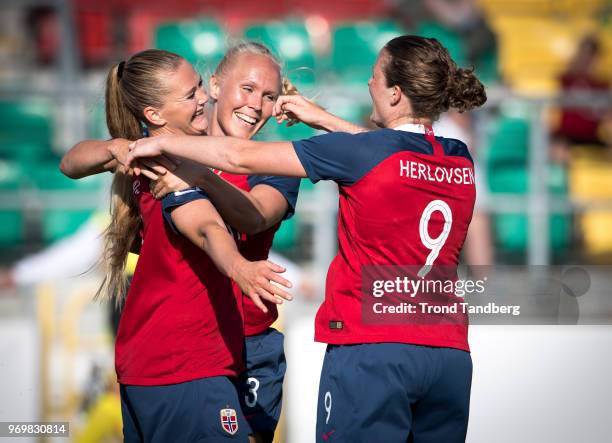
{"x": 229, "y": 421}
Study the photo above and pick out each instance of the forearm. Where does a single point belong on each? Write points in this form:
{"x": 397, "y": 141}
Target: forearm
{"x": 208, "y": 151}
{"x": 88, "y": 157}
{"x": 332, "y": 123}
{"x": 235, "y": 155}
{"x": 237, "y": 207}
{"x": 221, "y": 248}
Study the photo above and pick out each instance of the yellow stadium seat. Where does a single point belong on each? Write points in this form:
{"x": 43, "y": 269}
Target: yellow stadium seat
{"x": 542, "y": 8}
{"x": 534, "y": 51}
{"x": 604, "y": 68}
{"x": 589, "y": 179}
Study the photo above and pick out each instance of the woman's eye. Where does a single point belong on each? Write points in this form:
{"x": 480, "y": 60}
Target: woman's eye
{"x": 271, "y": 97}
{"x": 247, "y": 88}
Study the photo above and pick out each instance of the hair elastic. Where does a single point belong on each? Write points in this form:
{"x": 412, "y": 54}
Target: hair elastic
{"x": 120, "y": 68}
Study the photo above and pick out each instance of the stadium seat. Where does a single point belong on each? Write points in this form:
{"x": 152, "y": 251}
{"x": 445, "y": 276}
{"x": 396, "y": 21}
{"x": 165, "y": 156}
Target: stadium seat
{"x": 58, "y": 222}
{"x": 26, "y": 130}
{"x": 485, "y": 67}
{"x": 590, "y": 171}
{"x": 97, "y": 128}
{"x": 95, "y": 32}
{"x": 11, "y": 219}
{"x": 202, "y": 42}
{"x": 507, "y": 171}
{"x": 355, "y": 47}
{"x": 342, "y": 10}
{"x": 286, "y": 236}
{"x": 275, "y": 132}
{"x": 511, "y": 230}
{"x": 447, "y": 37}
{"x": 534, "y": 51}
{"x": 290, "y": 42}
{"x": 541, "y": 8}
{"x": 508, "y": 143}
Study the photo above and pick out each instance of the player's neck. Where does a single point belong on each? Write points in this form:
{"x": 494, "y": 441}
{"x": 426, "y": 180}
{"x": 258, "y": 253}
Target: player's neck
{"x": 161, "y": 130}
{"x": 215, "y": 128}
{"x": 403, "y": 120}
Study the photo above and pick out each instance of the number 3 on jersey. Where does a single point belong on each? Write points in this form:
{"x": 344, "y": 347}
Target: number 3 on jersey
{"x": 251, "y": 398}
{"x": 434, "y": 244}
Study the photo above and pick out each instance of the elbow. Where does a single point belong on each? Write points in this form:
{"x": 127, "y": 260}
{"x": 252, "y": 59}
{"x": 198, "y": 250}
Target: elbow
{"x": 255, "y": 225}
{"x": 66, "y": 169}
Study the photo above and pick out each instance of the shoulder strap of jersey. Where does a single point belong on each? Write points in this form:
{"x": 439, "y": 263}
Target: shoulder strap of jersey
{"x": 438, "y": 150}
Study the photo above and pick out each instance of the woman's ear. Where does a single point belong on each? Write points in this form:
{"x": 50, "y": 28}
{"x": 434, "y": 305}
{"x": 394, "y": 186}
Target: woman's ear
{"x": 153, "y": 116}
{"x": 213, "y": 87}
{"x": 396, "y": 95}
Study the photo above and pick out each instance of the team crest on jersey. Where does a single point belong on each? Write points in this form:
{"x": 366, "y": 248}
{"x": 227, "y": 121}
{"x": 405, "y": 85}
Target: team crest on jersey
{"x": 229, "y": 421}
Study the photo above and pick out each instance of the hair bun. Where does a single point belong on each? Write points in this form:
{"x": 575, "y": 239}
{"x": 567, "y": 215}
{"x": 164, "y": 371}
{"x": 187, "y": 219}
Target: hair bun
{"x": 466, "y": 91}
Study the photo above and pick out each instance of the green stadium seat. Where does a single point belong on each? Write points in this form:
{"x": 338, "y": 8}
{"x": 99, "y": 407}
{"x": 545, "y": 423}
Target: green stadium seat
{"x": 355, "y": 47}
{"x": 290, "y": 42}
{"x": 57, "y": 223}
{"x": 202, "y": 42}
{"x": 11, "y": 219}
{"x": 507, "y": 172}
{"x": 508, "y": 143}
{"x": 511, "y": 230}
{"x": 486, "y": 66}
{"x": 350, "y": 110}
{"x": 272, "y": 131}
{"x": 286, "y": 236}
{"x": 447, "y": 37}
{"x": 97, "y": 122}
{"x": 26, "y": 130}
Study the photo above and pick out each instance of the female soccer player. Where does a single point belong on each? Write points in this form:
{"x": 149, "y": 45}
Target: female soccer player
{"x": 181, "y": 333}
{"x": 243, "y": 90}
{"x": 406, "y": 198}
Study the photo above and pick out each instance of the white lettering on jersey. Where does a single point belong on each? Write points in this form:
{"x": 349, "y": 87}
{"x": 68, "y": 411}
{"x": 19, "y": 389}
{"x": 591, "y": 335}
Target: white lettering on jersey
{"x": 440, "y": 174}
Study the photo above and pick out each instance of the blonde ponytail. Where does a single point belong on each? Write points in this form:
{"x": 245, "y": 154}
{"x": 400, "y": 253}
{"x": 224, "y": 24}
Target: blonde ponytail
{"x": 130, "y": 87}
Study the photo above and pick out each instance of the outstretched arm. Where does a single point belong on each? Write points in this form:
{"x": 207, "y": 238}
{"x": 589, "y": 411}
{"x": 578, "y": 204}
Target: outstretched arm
{"x": 91, "y": 157}
{"x": 199, "y": 221}
{"x": 299, "y": 107}
{"x": 229, "y": 154}
{"x": 249, "y": 212}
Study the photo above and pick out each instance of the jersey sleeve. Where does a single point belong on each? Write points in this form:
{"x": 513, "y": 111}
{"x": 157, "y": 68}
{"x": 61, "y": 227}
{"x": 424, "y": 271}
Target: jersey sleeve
{"x": 179, "y": 198}
{"x": 339, "y": 156}
{"x": 288, "y": 186}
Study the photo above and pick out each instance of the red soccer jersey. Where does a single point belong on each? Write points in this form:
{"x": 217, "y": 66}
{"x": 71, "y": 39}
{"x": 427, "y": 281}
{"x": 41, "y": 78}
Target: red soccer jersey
{"x": 257, "y": 247}
{"x": 393, "y": 185}
{"x": 182, "y": 319}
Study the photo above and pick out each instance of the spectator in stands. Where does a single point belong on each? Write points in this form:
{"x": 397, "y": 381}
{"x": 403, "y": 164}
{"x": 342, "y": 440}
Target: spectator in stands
{"x": 582, "y": 124}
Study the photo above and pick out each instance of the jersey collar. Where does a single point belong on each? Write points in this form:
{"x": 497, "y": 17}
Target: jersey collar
{"x": 411, "y": 127}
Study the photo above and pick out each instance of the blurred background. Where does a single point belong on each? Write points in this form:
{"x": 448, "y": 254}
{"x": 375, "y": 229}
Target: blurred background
{"x": 543, "y": 151}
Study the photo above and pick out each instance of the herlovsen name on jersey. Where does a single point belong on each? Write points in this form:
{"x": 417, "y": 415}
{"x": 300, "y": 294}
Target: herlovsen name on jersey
{"x": 440, "y": 174}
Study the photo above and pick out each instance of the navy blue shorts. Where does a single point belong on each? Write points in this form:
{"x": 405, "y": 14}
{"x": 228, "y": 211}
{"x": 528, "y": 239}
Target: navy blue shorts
{"x": 394, "y": 393}
{"x": 261, "y": 386}
{"x": 205, "y": 410}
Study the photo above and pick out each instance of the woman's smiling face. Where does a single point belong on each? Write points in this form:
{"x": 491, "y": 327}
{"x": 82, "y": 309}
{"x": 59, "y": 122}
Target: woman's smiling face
{"x": 245, "y": 94}
{"x": 184, "y": 102}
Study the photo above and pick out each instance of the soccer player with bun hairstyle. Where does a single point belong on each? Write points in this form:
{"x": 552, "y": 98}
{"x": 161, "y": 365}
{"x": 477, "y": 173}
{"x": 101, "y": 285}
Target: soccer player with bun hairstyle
{"x": 406, "y": 199}
{"x": 243, "y": 90}
{"x": 180, "y": 338}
